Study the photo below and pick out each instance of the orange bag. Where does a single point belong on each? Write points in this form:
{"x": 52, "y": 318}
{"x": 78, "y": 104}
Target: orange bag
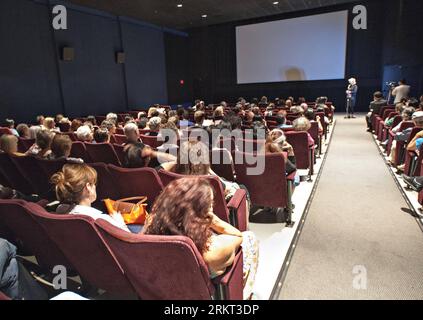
{"x": 132, "y": 213}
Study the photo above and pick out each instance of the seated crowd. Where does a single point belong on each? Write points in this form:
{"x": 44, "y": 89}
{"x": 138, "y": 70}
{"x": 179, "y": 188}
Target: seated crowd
{"x": 399, "y": 129}
{"x": 185, "y": 207}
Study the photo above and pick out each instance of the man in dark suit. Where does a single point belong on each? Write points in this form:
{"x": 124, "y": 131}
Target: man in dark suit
{"x": 375, "y": 107}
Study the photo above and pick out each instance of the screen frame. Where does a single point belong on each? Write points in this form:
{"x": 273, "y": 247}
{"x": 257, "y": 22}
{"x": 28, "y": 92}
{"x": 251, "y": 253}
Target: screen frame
{"x": 291, "y": 16}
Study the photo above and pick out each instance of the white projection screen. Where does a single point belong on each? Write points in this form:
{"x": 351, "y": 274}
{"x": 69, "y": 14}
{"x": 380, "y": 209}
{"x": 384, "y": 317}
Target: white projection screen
{"x": 300, "y": 49}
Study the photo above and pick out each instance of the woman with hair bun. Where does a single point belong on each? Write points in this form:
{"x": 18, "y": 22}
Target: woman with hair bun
{"x": 75, "y": 185}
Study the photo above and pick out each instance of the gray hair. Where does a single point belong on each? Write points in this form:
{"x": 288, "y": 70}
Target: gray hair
{"x": 112, "y": 117}
{"x": 154, "y": 123}
{"x": 130, "y": 127}
{"x": 84, "y": 133}
{"x": 301, "y": 124}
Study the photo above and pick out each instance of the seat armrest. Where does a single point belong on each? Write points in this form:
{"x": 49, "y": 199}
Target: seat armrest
{"x": 291, "y": 176}
{"x": 238, "y": 210}
{"x": 230, "y": 285}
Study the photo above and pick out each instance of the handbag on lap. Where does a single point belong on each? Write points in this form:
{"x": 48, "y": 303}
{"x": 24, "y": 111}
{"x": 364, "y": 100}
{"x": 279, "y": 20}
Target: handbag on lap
{"x": 132, "y": 213}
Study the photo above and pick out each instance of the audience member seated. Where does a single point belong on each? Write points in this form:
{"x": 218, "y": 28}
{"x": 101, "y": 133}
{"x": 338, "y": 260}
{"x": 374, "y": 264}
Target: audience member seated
{"x": 218, "y": 114}
{"x": 302, "y": 124}
{"x": 15, "y": 281}
{"x": 132, "y": 133}
{"x": 9, "y": 145}
{"x": 259, "y": 130}
{"x": 185, "y": 207}
{"x": 58, "y": 118}
{"x": 141, "y": 115}
{"x": 154, "y": 126}
{"x": 288, "y": 104}
{"x": 75, "y": 188}
{"x": 23, "y": 131}
{"x": 276, "y": 143}
{"x": 152, "y": 112}
{"x": 405, "y": 136}
{"x": 142, "y": 123}
{"x": 415, "y": 183}
{"x": 112, "y": 117}
{"x": 42, "y": 146}
{"x": 406, "y": 115}
{"x": 281, "y": 122}
{"x": 139, "y": 155}
{"x": 61, "y": 148}
{"x": 10, "y": 124}
{"x": 84, "y": 134}
{"x": 50, "y": 125}
{"x": 269, "y": 110}
{"x": 93, "y": 120}
{"x": 194, "y": 159}
{"x": 75, "y": 124}
{"x": 399, "y": 108}
{"x": 375, "y": 107}
{"x": 183, "y": 118}
{"x": 416, "y": 143}
{"x": 101, "y": 135}
{"x": 170, "y": 133}
{"x": 199, "y": 117}
{"x": 297, "y": 110}
{"x": 309, "y": 114}
{"x": 110, "y": 126}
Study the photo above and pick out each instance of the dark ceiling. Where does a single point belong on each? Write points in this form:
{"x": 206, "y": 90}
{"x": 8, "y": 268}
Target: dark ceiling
{"x": 166, "y": 13}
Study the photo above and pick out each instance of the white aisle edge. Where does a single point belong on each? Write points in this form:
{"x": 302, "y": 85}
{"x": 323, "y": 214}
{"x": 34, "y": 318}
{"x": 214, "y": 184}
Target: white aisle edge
{"x": 276, "y": 239}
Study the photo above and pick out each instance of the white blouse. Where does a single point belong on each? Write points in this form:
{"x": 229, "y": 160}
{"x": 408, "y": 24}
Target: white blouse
{"x": 97, "y": 214}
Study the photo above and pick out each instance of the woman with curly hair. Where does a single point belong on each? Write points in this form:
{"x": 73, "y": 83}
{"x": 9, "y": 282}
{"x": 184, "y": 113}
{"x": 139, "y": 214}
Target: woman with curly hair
{"x": 185, "y": 208}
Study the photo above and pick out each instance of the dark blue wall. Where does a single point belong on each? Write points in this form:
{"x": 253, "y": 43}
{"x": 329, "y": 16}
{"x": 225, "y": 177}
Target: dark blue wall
{"x": 93, "y": 82}
{"x": 34, "y": 79}
{"x": 394, "y": 36}
{"x": 145, "y": 64}
{"x": 29, "y": 83}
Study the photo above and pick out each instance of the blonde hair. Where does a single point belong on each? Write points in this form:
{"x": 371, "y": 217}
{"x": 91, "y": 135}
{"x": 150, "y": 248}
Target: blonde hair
{"x": 71, "y": 181}
{"x": 301, "y": 124}
{"x": 151, "y": 111}
{"x": 49, "y": 123}
{"x": 9, "y": 143}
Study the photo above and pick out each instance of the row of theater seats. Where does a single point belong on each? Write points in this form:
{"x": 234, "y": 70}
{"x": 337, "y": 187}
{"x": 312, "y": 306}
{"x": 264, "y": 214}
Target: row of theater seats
{"x": 384, "y": 133}
{"x": 37, "y": 231}
{"x": 413, "y": 162}
{"x": 31, "y": 175}
{"x": 123, "y": 264}
{"x": 112, "y": 153}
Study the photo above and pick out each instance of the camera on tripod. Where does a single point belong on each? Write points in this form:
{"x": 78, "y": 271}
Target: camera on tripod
{"x": 391, "y": 84}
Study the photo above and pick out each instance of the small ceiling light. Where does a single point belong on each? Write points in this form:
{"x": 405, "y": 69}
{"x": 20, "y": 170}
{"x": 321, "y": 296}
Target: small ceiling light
{"x": 276, "y": 3}
{"x": 204, "y": 16}
{"x": 179, "y": 5}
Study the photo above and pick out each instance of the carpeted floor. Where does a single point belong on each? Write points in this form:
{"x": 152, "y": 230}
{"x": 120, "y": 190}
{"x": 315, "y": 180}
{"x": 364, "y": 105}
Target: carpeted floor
{"x": 358, "y": 223}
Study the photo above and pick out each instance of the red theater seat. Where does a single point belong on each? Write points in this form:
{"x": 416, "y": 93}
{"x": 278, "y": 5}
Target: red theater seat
{"x": 304, "y": 154}
{"x": 136, "y": 182}
{"x": 83, "y": 245}
{"x": 170, "y": 267}
{"x": 79, "y": 150}
{"x": 274, "y": 175}
{"x": 102, "y": 152}
{"x": 29, "y": 236}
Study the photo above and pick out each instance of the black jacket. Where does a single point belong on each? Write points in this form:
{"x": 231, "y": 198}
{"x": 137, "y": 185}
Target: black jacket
{"x": 377, "y": 105}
